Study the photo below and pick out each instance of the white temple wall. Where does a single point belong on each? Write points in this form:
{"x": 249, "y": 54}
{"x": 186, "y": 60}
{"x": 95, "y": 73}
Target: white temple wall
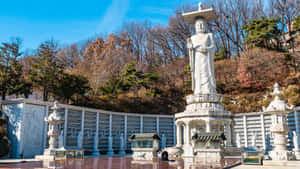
{"x": 28, "y": 127}
{"x": 246, "y": 124}
{"x": 28, "y": 131}
{"x": 25, "y": 128}
{"x": 14, "y": 112}
{"x": 33, "y": 121}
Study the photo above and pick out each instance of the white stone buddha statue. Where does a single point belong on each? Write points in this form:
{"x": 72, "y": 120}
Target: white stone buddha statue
{"x": 201, "y": 52}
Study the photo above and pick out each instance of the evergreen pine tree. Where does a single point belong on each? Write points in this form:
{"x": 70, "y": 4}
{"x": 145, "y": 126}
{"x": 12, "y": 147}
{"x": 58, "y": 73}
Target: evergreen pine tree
{"x": 46, "y": 69}
{"x": 264, "y": 33}
{"x": 11, "y": 78}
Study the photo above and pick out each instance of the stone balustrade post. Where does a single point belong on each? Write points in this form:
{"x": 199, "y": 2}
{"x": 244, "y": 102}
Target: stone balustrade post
{"x": 141, "y": 124}
{"x": 263, "y": 133}
{"x": 297, "y": 125}
{"x": 110, "y": 139}
{"x": 245, "y": 130}
{"x": 65, "y": 128}
{"x": 96, "y": 137}
{"x": 125, "y": 132}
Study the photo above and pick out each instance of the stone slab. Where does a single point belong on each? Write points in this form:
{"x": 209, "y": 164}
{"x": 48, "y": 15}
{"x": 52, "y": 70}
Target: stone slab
{"x": 15, "y": 161}
{"x": 45, "y": 157}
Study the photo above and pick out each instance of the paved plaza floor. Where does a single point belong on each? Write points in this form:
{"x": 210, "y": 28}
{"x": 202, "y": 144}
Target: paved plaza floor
{"x": 264, "y": 167}
{"x": 105, "y": 163}
{"x": 121, "y": 163}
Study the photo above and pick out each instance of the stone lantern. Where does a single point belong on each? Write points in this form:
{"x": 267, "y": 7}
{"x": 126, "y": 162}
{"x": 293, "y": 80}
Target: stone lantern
{"x": 279, "y": 110}
{"x": 54, "y": 122}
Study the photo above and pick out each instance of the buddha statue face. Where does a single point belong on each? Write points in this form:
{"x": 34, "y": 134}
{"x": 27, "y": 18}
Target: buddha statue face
{"x": 200, "y": 26}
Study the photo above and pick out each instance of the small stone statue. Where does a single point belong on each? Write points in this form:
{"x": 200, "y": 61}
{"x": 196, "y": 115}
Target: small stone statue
{"x": 110, "y": 150}
{"x": 268, "y": 144}
{"x": 122, "y": 145}
{"x": 238, "y": 140}
{"x": 73, "y": 132}
{"x": 200, "y": 7}
{"x": 163, "y": 141}
{"x": 89, "y": 133}
{"x": 61, "y": 140}
{"x": 95, "y": 147}
{"x": 79, "y": 139}
{"x": 295, "y": 141}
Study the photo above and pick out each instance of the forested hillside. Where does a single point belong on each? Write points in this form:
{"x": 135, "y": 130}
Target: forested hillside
{"x": 144, "y": 68}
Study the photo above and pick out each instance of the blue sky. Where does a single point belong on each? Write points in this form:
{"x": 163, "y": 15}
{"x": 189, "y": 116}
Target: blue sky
{"x": 71, "y": 21}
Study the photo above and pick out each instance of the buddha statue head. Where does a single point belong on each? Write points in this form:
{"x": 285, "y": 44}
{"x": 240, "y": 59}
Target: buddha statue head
{"x": 201, "y": 26}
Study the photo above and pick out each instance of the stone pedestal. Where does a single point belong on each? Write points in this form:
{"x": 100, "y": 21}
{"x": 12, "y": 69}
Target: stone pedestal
{"x": 49, "y": 154}
{"x": 208, "y": 157}
{"x": 204, "y": 113}
{"x": 297, "y": 154}
{"x": 143, "y": 154}
{"x": 283, "y": 155}
{"x": 188, "y": 151}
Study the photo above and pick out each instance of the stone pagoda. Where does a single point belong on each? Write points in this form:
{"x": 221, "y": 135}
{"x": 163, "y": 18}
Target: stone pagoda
{"x": 204, "y": 112}
{"x": 279, "y": 110}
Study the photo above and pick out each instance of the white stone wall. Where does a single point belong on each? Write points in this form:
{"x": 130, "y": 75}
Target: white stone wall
{"x": 15, "y": 117}
{"x": 27, "y": 129}
{"x": 249, "y": 123}
{"x": 31, "y": 129}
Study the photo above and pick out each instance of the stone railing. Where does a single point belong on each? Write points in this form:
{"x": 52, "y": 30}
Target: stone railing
{"x": 204, "y": 98}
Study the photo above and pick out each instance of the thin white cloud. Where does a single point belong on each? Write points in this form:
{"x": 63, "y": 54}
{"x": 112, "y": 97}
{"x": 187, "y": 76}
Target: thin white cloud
{"x": 158, "y": 10}
{"x": 114, "y": 15}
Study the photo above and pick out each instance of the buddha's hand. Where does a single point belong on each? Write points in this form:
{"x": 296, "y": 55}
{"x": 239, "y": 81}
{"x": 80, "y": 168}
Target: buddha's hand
{"x": 203, "y": 49}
